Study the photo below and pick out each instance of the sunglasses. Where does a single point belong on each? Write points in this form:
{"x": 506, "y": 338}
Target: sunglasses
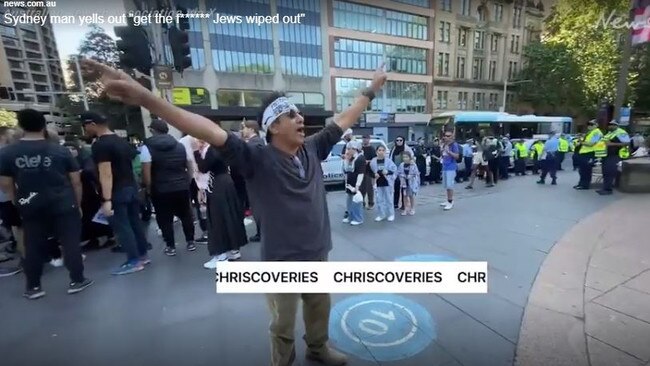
{"x": 294, "y": 114}
{"x": 448, "y": 136}
{"x": 400, "y": 140}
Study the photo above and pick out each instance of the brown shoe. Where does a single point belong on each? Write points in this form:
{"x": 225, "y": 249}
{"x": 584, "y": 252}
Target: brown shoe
{"x": 327, "y": 356}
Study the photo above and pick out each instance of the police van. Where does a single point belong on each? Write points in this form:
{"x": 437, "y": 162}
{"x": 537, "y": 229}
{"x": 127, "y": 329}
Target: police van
{"x": 333, "y": 166}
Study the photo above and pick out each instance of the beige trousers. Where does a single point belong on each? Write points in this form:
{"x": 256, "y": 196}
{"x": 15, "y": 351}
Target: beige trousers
{"x": 284, "y": 307}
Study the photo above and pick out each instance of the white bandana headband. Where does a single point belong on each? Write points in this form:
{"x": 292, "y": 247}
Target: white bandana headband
{"x": 279, "y": 107}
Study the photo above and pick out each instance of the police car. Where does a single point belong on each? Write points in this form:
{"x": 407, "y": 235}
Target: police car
{"x": 333, "y": 166}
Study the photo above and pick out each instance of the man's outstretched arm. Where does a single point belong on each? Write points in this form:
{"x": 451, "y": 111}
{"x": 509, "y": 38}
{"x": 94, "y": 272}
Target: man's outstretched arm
{"x": 122, "y": 87}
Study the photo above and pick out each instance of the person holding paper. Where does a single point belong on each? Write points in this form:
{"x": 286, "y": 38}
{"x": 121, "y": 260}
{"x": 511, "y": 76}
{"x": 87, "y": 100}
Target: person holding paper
{"x": 286, "y": 183}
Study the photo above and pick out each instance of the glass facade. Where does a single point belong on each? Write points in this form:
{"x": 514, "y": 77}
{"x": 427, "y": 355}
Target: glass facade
{"x": 375, "y": 20}
{"x": 197, "y": 52}
{"x": 301, "y": 44}
{"x": 442, "y": 99}
{"x": 241, "y": 48}
{"x": 397, "y": 96}
{"x": 422, "y": 3}
{"x": 361, "y": 55}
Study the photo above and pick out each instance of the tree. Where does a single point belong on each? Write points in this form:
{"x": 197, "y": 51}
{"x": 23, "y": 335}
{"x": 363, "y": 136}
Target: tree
{"x": 7, "y": 118}
{"x": 99, "y": 46}
{"x": 555, "y": 79}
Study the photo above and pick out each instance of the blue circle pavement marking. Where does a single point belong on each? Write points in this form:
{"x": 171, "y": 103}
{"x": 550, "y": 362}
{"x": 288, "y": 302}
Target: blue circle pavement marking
{"x": 381, "y": 327}
{"x": 426, "y": 258}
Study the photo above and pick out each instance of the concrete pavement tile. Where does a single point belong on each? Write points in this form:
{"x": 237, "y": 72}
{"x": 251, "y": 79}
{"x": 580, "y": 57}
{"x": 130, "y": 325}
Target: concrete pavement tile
{"x": 640, "y": 283}
{"x": 434, "y": 355}
{"x": 614, "y": 260}
{"x": 551, "y": 338}
{"x": 602, "y": 354}
{"x": 508, "y": 287}
{"x": 603, "y": 280}
{"x": 591, "y": 293}
{"x": 619, "y": 330}
{"x": 499, "y": 315}
{"x": 627, "y": 301}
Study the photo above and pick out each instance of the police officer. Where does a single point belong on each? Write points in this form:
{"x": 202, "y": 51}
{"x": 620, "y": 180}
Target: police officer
{"x": 618, "y": 142}
{"x": 562, "y": 150}
{"x": 521, "y": 154}
{"x": 591, "y": 147}
{"x": 549, "y": 159}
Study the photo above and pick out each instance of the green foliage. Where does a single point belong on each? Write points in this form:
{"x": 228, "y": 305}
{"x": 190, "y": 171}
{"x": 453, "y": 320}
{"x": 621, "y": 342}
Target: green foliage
{"x": 7, "y": 118}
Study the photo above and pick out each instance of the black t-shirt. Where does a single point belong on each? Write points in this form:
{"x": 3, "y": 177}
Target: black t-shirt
{"x": 359, "y": 168}
{"x": 118, "y": 152}
{"x": 381, "y": 181}
{"x": 40, "y": 170}
{"x": 407, "y": 168}
{"x": 369, "y": 153}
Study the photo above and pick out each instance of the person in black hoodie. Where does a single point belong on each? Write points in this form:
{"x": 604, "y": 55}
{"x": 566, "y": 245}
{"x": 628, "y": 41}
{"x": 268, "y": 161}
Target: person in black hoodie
{"x": 166, "y": 171}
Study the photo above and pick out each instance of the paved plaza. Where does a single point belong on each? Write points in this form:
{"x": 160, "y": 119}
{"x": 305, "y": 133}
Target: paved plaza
{"x": 169, "y": 314}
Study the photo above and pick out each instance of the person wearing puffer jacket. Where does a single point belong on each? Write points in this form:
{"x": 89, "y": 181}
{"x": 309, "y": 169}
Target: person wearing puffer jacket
{"x": 409, "y": 177}
{"x": 385, "y": 172}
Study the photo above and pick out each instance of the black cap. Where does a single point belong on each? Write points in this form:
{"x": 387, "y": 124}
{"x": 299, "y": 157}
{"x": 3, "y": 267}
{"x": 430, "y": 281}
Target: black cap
{"x": 159, "y": 125}
{"x": 92, "y": 117}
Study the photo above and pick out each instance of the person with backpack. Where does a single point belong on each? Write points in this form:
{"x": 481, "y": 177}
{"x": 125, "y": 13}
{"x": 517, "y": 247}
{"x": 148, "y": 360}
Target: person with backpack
{"x": 43, "y": 180}
{"x": 451, "y": 155}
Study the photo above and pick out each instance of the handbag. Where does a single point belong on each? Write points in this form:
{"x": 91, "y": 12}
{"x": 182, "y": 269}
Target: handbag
{"x": 357, "y": 198}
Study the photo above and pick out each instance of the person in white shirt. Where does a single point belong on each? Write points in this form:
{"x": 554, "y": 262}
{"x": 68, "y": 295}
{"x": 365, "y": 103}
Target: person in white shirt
{"x": 198, "y": 185}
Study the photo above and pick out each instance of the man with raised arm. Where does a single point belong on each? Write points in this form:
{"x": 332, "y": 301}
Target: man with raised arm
{"x": 284, "y": 176}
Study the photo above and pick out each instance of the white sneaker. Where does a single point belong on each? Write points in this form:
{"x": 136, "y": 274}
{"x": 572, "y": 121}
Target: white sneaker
{"x": 443, "y": 203}
{"x": 379, "y": 219}
{"x": 355, "y": 223}
{"x": 412, "y": 212}
{"x": 391, "y": 218}
{"x": 449, "y": 206}
{"x": 403, "y": 213}
{"x": 57, "y": 262}
{"x": 211, "y": 264}
{"x": 346, "y": 220}
{"x": 233, "y": 255}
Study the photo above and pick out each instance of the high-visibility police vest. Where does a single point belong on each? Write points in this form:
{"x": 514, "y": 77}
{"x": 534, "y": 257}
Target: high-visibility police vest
{"x": 563, "y": 145}
{"x": 599, "y": 149}
{"x": 523, "y": 152}
{"x": 539, "y": 149}
{"x": 623, "y": 152}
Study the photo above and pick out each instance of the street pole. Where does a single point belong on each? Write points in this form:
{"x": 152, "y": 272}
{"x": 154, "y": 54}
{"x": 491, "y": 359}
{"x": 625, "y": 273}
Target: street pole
{"x": 621, "y": 85}
{"x": 82, "y": 86}
{"x": 505, "y": 93}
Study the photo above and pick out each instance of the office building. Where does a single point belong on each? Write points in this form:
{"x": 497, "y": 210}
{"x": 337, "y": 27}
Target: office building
{"x": 28, "y": 77}
{"x": 478, "y": 46}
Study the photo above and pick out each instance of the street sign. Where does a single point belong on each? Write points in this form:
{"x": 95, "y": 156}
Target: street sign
{"x": 624, "y": 120}
{"x": 163, "y": 76}
{"x": 381, "y": 328}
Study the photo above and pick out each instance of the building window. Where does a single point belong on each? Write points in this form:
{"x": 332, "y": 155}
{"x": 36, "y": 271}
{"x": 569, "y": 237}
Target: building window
{"x": 479, "y": 101}
{"x": 479, "y": 40}
{"x": 443, "y": 64}
{"x": 460, "y": 67}
{"x": 462, "y": 100}
{"x": 466, "y": 7}
{"x": 477, "y": 68}
{"x": 498, "y": 12}
{"x": 421, "y": 3}
{"x": 241, "y": 48}
{"x": 300, "y": 44}
{"x": 516, "y": 19}
{"x": 445, "y": 5}
{"x": 462, "y": 37}
{"x": 361, "y": 55}
{"x": 7, "y": 30}
{"x": 493, "y": 102}
{"x": 396, "y": 96}
{"x": 492, "y": 74}
{"x": 482, "y": 13}
{"x": 514, "y": 44}
{"x": 512, "y": 70}
{"x": 443, "y": 97}
{"x": 375, "y": 20}
{"x": 494, "y": 42}
{"x": 445, "y": 32}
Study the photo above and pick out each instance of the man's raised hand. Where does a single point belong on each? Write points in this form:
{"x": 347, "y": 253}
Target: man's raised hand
{"x": 118, "y": 84}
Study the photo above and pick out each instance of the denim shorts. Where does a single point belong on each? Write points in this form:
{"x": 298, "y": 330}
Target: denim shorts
{"x": 448, "y": 179}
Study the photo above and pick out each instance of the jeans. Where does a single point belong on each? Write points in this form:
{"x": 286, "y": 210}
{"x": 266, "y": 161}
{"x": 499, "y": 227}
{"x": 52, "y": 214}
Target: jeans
{"x": 368, "y": 189}
{"x": 610, "y": 171}
{"x": 384, "y": 202}
{"x": 504, "y": 164}
{"x": 468, "y": 160}
{"x": 355, "y": 209}
{"x": 67, "y": 230}
{"x": 560, "y": 159}
{"x": 194, "y": 193}
{"x": 549, "y": 165}
{"x": 172, "y": 204}
{"x": 126, "y": 223}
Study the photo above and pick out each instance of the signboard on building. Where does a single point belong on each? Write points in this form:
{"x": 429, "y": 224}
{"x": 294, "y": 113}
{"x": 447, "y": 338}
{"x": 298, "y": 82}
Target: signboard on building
{"x": 190, "y": 96}
{"x": 387, "y": 118}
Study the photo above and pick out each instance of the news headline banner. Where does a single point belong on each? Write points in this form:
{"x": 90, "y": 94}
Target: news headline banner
{"x": 352, "y": 277}
{"x": 141, "y": 18}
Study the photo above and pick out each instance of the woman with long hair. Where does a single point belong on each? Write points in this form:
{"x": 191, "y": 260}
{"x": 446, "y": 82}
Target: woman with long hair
{"x": 396, "y": 156}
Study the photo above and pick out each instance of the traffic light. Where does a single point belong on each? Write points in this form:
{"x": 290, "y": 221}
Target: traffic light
{"x": 180, "y": 45}
{"x": 134, "y": 47}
